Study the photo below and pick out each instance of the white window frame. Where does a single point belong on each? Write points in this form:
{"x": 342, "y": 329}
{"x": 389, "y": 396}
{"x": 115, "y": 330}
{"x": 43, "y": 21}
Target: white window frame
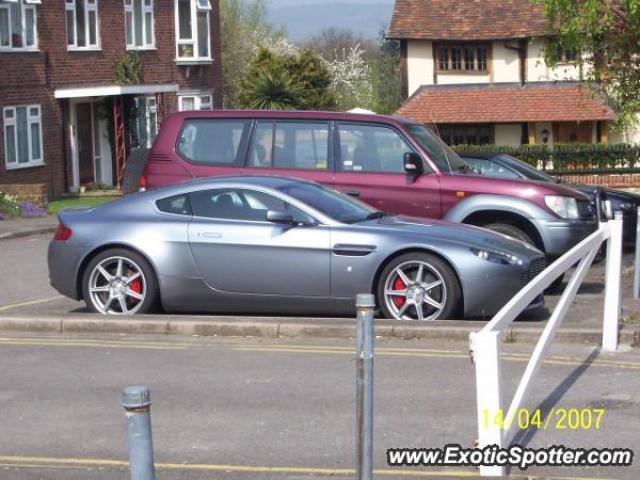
{"x": 197, "y": 101}
{"x": 147, "y": 43}
{"x": 13, "y": 121}
{"x": 25, "y": 5}
{"x": 88, "y": 7}
{"x": 196, "y": 6}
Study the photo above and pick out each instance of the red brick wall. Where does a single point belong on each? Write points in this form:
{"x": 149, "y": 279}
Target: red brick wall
{"x": 611, "y": 181}
{"x": 32, "y": 77}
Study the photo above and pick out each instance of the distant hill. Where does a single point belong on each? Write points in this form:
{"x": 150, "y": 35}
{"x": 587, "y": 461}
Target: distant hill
{"x": 304, "y": 18}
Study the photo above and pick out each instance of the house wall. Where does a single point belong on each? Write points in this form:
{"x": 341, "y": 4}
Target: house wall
{"x": 505, "y": 63}
{"x": 419, "y": 64}
{"x": 508, "y": 134}
{"x": 32, "y": 78}
{"x": 539, "y": 71}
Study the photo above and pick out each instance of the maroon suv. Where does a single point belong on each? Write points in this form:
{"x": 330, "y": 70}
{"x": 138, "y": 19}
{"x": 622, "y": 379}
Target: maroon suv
{"x": 390, "y": 162}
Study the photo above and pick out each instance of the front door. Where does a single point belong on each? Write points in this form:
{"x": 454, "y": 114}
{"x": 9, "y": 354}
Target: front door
{"x": 84, "y": 142}
{"x": 370, "y": 166}
{"x": 237, "y": 250}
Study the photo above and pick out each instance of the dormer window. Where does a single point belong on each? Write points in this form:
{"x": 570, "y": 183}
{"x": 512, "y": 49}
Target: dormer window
{"x": 462, "y": 57}
{"x": 18, "y": 25}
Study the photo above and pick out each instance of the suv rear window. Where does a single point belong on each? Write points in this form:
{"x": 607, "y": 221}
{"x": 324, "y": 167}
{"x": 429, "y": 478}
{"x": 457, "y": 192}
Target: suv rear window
{"x": 213, "y": 141}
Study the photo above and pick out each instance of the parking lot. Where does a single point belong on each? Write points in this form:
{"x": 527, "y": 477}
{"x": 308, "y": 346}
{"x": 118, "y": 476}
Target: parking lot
{"x": 280, "y": 408}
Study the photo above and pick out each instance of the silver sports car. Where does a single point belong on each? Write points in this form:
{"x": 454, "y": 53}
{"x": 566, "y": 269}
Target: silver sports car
{"x": 264, "y": 244}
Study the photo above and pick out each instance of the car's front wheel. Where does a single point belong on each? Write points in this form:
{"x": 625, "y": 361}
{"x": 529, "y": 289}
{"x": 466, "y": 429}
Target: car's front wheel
{"x": 119, "y": 282}
{"x": 419, "y": 286}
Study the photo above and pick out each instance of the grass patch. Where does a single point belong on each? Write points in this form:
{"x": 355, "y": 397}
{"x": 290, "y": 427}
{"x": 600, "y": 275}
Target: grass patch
{"x": 56, "y": 205}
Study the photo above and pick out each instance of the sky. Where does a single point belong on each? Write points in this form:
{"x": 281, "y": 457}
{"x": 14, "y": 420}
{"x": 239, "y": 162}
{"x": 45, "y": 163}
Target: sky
{"x": 302, "y": 19}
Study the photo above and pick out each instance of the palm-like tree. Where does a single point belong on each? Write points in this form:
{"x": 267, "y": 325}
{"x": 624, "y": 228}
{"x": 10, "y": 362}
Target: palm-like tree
{"x": 271, "y": 89}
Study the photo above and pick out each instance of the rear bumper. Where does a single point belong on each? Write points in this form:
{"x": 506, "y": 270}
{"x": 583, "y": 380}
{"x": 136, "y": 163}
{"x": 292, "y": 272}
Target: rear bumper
{"x": 559, "y": 236}
{"x": 64, "y": 261}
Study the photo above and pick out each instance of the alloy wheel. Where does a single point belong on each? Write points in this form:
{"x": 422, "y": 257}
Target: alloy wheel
{"x": 415, "y": 290}
{"x": 117, "y": 286}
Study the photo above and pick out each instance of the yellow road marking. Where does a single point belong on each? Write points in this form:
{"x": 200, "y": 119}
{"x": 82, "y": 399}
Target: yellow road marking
{"x": 53, "y": 462}
{"x": 4, "y": 308}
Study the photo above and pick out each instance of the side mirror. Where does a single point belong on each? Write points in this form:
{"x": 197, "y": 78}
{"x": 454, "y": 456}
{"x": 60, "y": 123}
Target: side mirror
{"x": 280, "y": 216}
{"x": 412, "y": 163}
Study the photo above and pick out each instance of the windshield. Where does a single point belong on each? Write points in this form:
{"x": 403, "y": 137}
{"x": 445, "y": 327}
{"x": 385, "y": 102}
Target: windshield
{"x": 525, "y": 169}
{"x": 335, "y": 205}
{"x": 439, "y": 152}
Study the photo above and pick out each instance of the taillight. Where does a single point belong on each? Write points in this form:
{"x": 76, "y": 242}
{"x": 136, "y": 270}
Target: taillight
{"x": 63, "y": 233}
{"x": 142, "y": 183}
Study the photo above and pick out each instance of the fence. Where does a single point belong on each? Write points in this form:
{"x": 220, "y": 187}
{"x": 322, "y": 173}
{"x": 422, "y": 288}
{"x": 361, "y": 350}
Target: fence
{"x": 486, "y": 344}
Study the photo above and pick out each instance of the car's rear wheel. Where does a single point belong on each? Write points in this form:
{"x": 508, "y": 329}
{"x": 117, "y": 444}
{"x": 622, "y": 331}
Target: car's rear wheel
{"x": 120, "y": 282}
{"x": 419, "y": 286}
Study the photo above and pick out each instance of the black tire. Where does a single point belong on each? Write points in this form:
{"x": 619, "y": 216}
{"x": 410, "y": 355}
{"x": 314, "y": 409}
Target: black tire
{"x": 151, "y": 290}
{"x": 511, "y": 231}
{"x": 453, "y": 297}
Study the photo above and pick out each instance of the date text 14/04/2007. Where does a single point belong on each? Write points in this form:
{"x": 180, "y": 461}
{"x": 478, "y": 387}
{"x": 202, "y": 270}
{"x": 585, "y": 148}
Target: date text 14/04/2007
{"x": 555, "y": 418}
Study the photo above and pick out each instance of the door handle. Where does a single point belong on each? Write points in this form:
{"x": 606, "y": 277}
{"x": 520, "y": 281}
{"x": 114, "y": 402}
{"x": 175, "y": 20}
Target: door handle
{"x": 353, "y": 193}
{"x": 210, "y": 235}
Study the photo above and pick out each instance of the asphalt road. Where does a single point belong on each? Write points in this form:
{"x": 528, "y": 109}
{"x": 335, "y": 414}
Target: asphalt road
{"x": 245, "y": 408}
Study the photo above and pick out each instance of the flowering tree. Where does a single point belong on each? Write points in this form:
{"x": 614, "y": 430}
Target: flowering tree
{"x": 350, "y": 78}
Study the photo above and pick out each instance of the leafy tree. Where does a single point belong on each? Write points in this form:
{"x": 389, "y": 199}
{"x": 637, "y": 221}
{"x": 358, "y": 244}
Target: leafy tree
{"x": 386, "y": 76}
{"x": 606, "y": 36}
{"x": 297, "y": 81}
{"x": 243, "y": 27}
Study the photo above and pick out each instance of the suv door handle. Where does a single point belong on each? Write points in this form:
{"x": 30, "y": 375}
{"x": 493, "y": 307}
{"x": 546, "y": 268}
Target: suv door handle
{"x": 353, "y": 193}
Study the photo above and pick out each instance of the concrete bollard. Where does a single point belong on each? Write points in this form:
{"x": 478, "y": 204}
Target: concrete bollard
{"x": 137, "y": 404}
{"x": 365, "y": 304}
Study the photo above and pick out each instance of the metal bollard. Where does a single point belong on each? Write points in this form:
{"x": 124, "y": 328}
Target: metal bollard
{"x": 137, "y": 404}
{"x": 636, "y": 272}
{"x": 365, "y": 304}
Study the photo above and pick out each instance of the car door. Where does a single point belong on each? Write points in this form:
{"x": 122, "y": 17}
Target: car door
{"x": 292, "y": 148}
{"x": 370, "y": 166}
{"x": 236, "y": 250}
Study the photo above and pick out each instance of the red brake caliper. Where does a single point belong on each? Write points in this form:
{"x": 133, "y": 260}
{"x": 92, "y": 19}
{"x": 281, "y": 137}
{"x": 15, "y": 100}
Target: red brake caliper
{"x": 398, "y": 284}
{"x": 136, "y": 286}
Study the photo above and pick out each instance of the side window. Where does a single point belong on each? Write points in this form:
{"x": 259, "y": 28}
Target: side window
{"x": 490, "y": 168}
{"x": 478, "y": 163}
{"x": 179, "y": 204}
{"x": 213, "y": 141}
{"x": 302, "y": 146}
{"x": 367, "y": 148}
{"x": 241, "y": 204}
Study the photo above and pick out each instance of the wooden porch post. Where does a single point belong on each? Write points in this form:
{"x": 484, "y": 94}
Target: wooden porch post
{"x": 532, "y": 133}
{"x": 604, "y": 132}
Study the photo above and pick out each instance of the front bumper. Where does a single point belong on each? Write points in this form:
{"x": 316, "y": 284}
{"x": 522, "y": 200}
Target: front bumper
{"x": 559, "y": 236}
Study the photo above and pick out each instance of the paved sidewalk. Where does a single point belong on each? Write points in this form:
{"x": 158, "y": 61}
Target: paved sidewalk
{"x": 24, "y": 227}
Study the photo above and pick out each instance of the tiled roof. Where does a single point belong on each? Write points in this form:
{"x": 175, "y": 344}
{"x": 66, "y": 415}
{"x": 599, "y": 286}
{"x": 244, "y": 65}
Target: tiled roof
{"x": 466, "y": 19}
{"x": 507, "y": 102}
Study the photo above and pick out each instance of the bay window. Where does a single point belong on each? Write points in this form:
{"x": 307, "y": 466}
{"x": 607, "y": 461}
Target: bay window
{"x": 22, "y": 136}
{"x": 139, "y": 24}
{"x": 18, "y": 24}
{"x": 193, "y": 37}
{"x": 82, "y": 24}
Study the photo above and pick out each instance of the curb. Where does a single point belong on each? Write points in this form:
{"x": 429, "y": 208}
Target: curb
{"x": 27, "y": 232}
{"x": 277, "y": 327}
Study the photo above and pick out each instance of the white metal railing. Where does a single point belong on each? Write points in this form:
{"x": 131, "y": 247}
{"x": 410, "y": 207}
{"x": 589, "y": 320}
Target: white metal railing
{"x": 486, "y": 344}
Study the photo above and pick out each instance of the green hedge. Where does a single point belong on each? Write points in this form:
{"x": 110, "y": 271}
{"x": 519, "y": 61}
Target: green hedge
{"x": 570, "y": 158}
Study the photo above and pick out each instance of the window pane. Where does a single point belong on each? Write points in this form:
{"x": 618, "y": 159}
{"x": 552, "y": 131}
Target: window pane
{"x": 188, "y": 104}
{"x": 15, "y": 18}
{"x": 482, "y": 58}
{"x": 137, "y": 16}
{"x": 93, "y": 28}
{"x": 35, "y": 142}
{"x": 262, "y": 146}
{"x": 203, "y": 34}
{"x": 443, "y": 56}
{"x": 456, "y": 58}
{"x": 80, "y": 23}
{"x": 30, "y": 25}
{"x": 372, "y": 149}
{"x": 129, "y": 27}
{"x": 148, "y": 26}
{"x": 70, "y": 22}
{"x": 235, "y": 204}
{"x": 23, "y": 135}
{"x": 184, "y": 19}
{"x": 4, "y": 27}
{"x": 10, "y": 135}
{"x": 179, "y": 204}
{"x": 301, "y": 146}
{"x": 185, "y": 50}
{"x": 214, "y": 142}
{"x": 468, "y": 58}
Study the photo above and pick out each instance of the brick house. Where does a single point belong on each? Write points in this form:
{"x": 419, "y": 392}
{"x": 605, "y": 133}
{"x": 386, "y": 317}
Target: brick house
{"x": 476, "y": 70}
{"x": 65, "y": 122}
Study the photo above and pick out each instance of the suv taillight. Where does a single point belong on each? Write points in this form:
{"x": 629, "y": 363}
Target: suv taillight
{"x": 142, "y": 183}
{"x": 63, "y": 233}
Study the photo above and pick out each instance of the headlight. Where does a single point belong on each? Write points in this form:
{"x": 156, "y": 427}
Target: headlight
{"x": 564, "y": 207}
{"x": 496, "y": 257}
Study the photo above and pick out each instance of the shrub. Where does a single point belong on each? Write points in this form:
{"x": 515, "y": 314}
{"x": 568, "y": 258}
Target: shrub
{"x": 9, "y": 205}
